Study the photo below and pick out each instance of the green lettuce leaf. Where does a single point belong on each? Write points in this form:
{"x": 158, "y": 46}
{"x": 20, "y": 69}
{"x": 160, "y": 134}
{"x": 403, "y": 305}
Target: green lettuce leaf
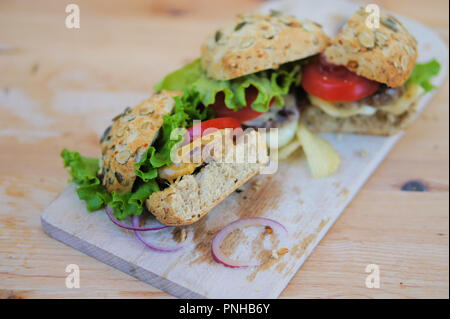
{"x": 180, "y": 79}
{"x": 186, "y": 110}
{"x": 83, "y": 171}
{"x": 271, "y": 84}
{"x": 423, "y": 72}
{"x": 128, "y": 204}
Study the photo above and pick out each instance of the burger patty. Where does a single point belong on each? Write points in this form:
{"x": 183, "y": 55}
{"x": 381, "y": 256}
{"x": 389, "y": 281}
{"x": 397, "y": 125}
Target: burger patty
{"x": 384, "y": 96}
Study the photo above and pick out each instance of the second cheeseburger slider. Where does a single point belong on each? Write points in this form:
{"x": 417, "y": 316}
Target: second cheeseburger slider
{"x": 367, "y": 81}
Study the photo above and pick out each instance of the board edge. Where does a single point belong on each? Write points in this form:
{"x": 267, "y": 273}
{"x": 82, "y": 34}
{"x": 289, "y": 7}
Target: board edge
{"x": 118, "y": 263}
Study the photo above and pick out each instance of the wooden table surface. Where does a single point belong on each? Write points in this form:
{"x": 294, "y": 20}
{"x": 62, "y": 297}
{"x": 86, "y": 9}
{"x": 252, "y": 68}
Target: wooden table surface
{"x": 126, "y": 46}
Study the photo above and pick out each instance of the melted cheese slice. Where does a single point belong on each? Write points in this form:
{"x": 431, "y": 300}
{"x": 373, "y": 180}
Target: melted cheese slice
{"x": 177, "y": 170}
{"x": 412, "y": 93}
{"x": 332, "y": 110}
{"x": 190, "y": 156}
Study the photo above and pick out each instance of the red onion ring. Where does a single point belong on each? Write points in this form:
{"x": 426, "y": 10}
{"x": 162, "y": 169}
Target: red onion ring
{"x": 220, "y": 257}
{"x": 135, "y": 222}
{"x": 118, "y": 223}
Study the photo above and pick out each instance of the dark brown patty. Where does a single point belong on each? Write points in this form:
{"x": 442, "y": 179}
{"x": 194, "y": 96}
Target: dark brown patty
{"x": 384, "y": 96}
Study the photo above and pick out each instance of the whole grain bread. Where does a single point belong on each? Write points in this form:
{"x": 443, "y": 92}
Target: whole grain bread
{"x": 386, "y": 54}
{"x": 381, "y": 123}
{"x": 192, "y": 197}
{"x": 256, "y": 42}
{"x": 124, "y": 142}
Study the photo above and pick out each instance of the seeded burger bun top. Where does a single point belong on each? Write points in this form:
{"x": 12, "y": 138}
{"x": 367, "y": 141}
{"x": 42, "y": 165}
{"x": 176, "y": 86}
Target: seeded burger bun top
{"x": 257, "y": 42}
{"x": 127, "y": 139}
{"x": 386, "y": 54}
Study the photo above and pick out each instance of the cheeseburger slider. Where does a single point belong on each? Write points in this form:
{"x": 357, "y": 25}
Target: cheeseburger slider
{"x": 367, "y": 81}
{"x": 146, "y": 161}
{"x": 248, "y": 68}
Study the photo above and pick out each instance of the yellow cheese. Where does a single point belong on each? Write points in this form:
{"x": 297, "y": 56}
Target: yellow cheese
{"x": 332, "y": 110}
{"x": 189, "y": 157}
{"x": 412, "y": 93}
{"x": 176, "y": 170}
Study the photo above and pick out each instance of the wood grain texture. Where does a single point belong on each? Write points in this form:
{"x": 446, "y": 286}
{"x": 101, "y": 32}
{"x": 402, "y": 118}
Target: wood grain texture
{"x": 305, "y": 206}
{"x": 126, "y": 49}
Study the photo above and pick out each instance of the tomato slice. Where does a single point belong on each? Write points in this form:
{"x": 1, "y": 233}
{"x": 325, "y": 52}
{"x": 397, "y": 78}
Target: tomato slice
{"x": 218, "y": 123}
{"x": 335, "y": 83}
{"x": 242, "y": 115}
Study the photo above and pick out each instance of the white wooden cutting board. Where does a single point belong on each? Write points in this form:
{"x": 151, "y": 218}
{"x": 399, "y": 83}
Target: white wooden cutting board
{"x": 307, "y": 207}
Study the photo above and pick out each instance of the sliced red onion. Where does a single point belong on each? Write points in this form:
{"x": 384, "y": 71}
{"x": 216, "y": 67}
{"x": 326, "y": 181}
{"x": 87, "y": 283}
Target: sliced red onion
{"x": 118, "y": 223}
{"x": 220, "y": 257}
{"x": 135, "y": 222}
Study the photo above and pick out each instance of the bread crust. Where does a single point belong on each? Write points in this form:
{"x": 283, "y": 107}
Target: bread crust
{"x": 127, "y": 139}
{"x": 192, "y": 197}
{"x": 257, "y": 42}
{"x": 386, "y": 54}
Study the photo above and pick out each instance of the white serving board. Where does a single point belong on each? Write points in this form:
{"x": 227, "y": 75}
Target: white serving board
{"x": 307, "y": 207}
